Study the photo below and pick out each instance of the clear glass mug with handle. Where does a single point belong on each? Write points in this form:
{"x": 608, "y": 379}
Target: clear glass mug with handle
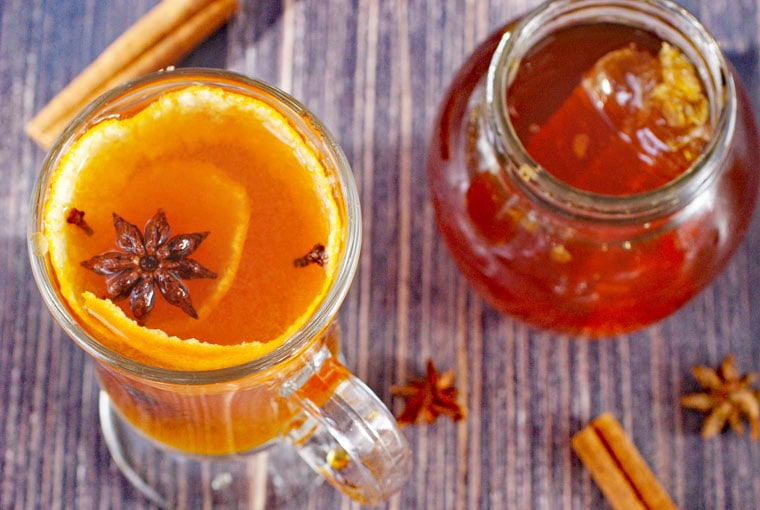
{"x": 237, "y": 434}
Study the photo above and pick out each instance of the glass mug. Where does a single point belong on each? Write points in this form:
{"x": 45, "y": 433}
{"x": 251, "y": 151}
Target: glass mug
{"x": 236, "y": 435}
{"x": 564, "y": 256}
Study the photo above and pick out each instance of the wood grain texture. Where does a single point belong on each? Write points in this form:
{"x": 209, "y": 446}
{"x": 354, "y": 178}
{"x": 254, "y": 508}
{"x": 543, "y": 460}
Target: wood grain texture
{"x": 373, "y": 71}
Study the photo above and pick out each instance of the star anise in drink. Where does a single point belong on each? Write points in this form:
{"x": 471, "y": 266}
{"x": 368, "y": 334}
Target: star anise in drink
{"x": 148, "y": 262}
{"x": 727, "y": 398}
{"x": 429, "y": 397}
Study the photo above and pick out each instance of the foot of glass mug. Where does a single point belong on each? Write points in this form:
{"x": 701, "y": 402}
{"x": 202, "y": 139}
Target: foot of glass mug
{"x": 271, "y": 477}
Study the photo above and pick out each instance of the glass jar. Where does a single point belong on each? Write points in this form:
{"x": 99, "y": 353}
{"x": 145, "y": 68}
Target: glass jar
{"x": 562, "y": 257}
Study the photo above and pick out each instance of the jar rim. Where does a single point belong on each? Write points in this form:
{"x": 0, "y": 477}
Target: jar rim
{"x": 671, "y": 23}
{"x": 143, "y": 90}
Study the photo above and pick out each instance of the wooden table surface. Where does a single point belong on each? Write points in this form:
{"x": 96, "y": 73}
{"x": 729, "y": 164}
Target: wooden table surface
{"x": 374, "y": 72}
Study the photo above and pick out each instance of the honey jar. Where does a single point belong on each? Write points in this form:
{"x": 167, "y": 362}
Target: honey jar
{"x": 594, "y": 165}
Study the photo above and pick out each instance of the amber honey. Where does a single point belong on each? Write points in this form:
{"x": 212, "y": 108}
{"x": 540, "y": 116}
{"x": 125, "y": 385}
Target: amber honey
{"x": 554, "y": 209}
{"x": 635, "y": 119}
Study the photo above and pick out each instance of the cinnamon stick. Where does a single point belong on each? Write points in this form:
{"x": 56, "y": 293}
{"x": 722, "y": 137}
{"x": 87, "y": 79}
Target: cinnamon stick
{"x": 617, "y": 467}
{"x": 605, "y": 471}
{"x": 160, "y": 38}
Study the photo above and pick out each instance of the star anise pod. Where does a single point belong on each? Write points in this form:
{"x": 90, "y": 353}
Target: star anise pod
{"x": 148, "y": 262}
{"x": 429, "y": 397}
{"x": 727, "y": 398}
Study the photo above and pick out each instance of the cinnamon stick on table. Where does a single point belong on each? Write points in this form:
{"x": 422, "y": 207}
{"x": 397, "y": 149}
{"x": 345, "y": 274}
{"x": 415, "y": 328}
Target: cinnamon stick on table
{"x": 618, "y": 468}
{"x": 159, "y": 39}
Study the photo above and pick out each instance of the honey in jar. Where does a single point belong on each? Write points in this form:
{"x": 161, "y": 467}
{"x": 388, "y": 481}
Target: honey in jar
{"x": 592, "y": 166}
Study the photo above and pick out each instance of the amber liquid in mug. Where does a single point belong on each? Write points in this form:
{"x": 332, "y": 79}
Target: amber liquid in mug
{"x": 215, "y": 162}
{"x": 581, "y": 284}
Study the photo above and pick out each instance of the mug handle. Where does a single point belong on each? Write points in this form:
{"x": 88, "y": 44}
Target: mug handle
{"x": 345, "y": 432}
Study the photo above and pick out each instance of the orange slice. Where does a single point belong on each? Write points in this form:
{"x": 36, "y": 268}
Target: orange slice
{"x": 164, "y": 350}
{"x": 140, "y": 154}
